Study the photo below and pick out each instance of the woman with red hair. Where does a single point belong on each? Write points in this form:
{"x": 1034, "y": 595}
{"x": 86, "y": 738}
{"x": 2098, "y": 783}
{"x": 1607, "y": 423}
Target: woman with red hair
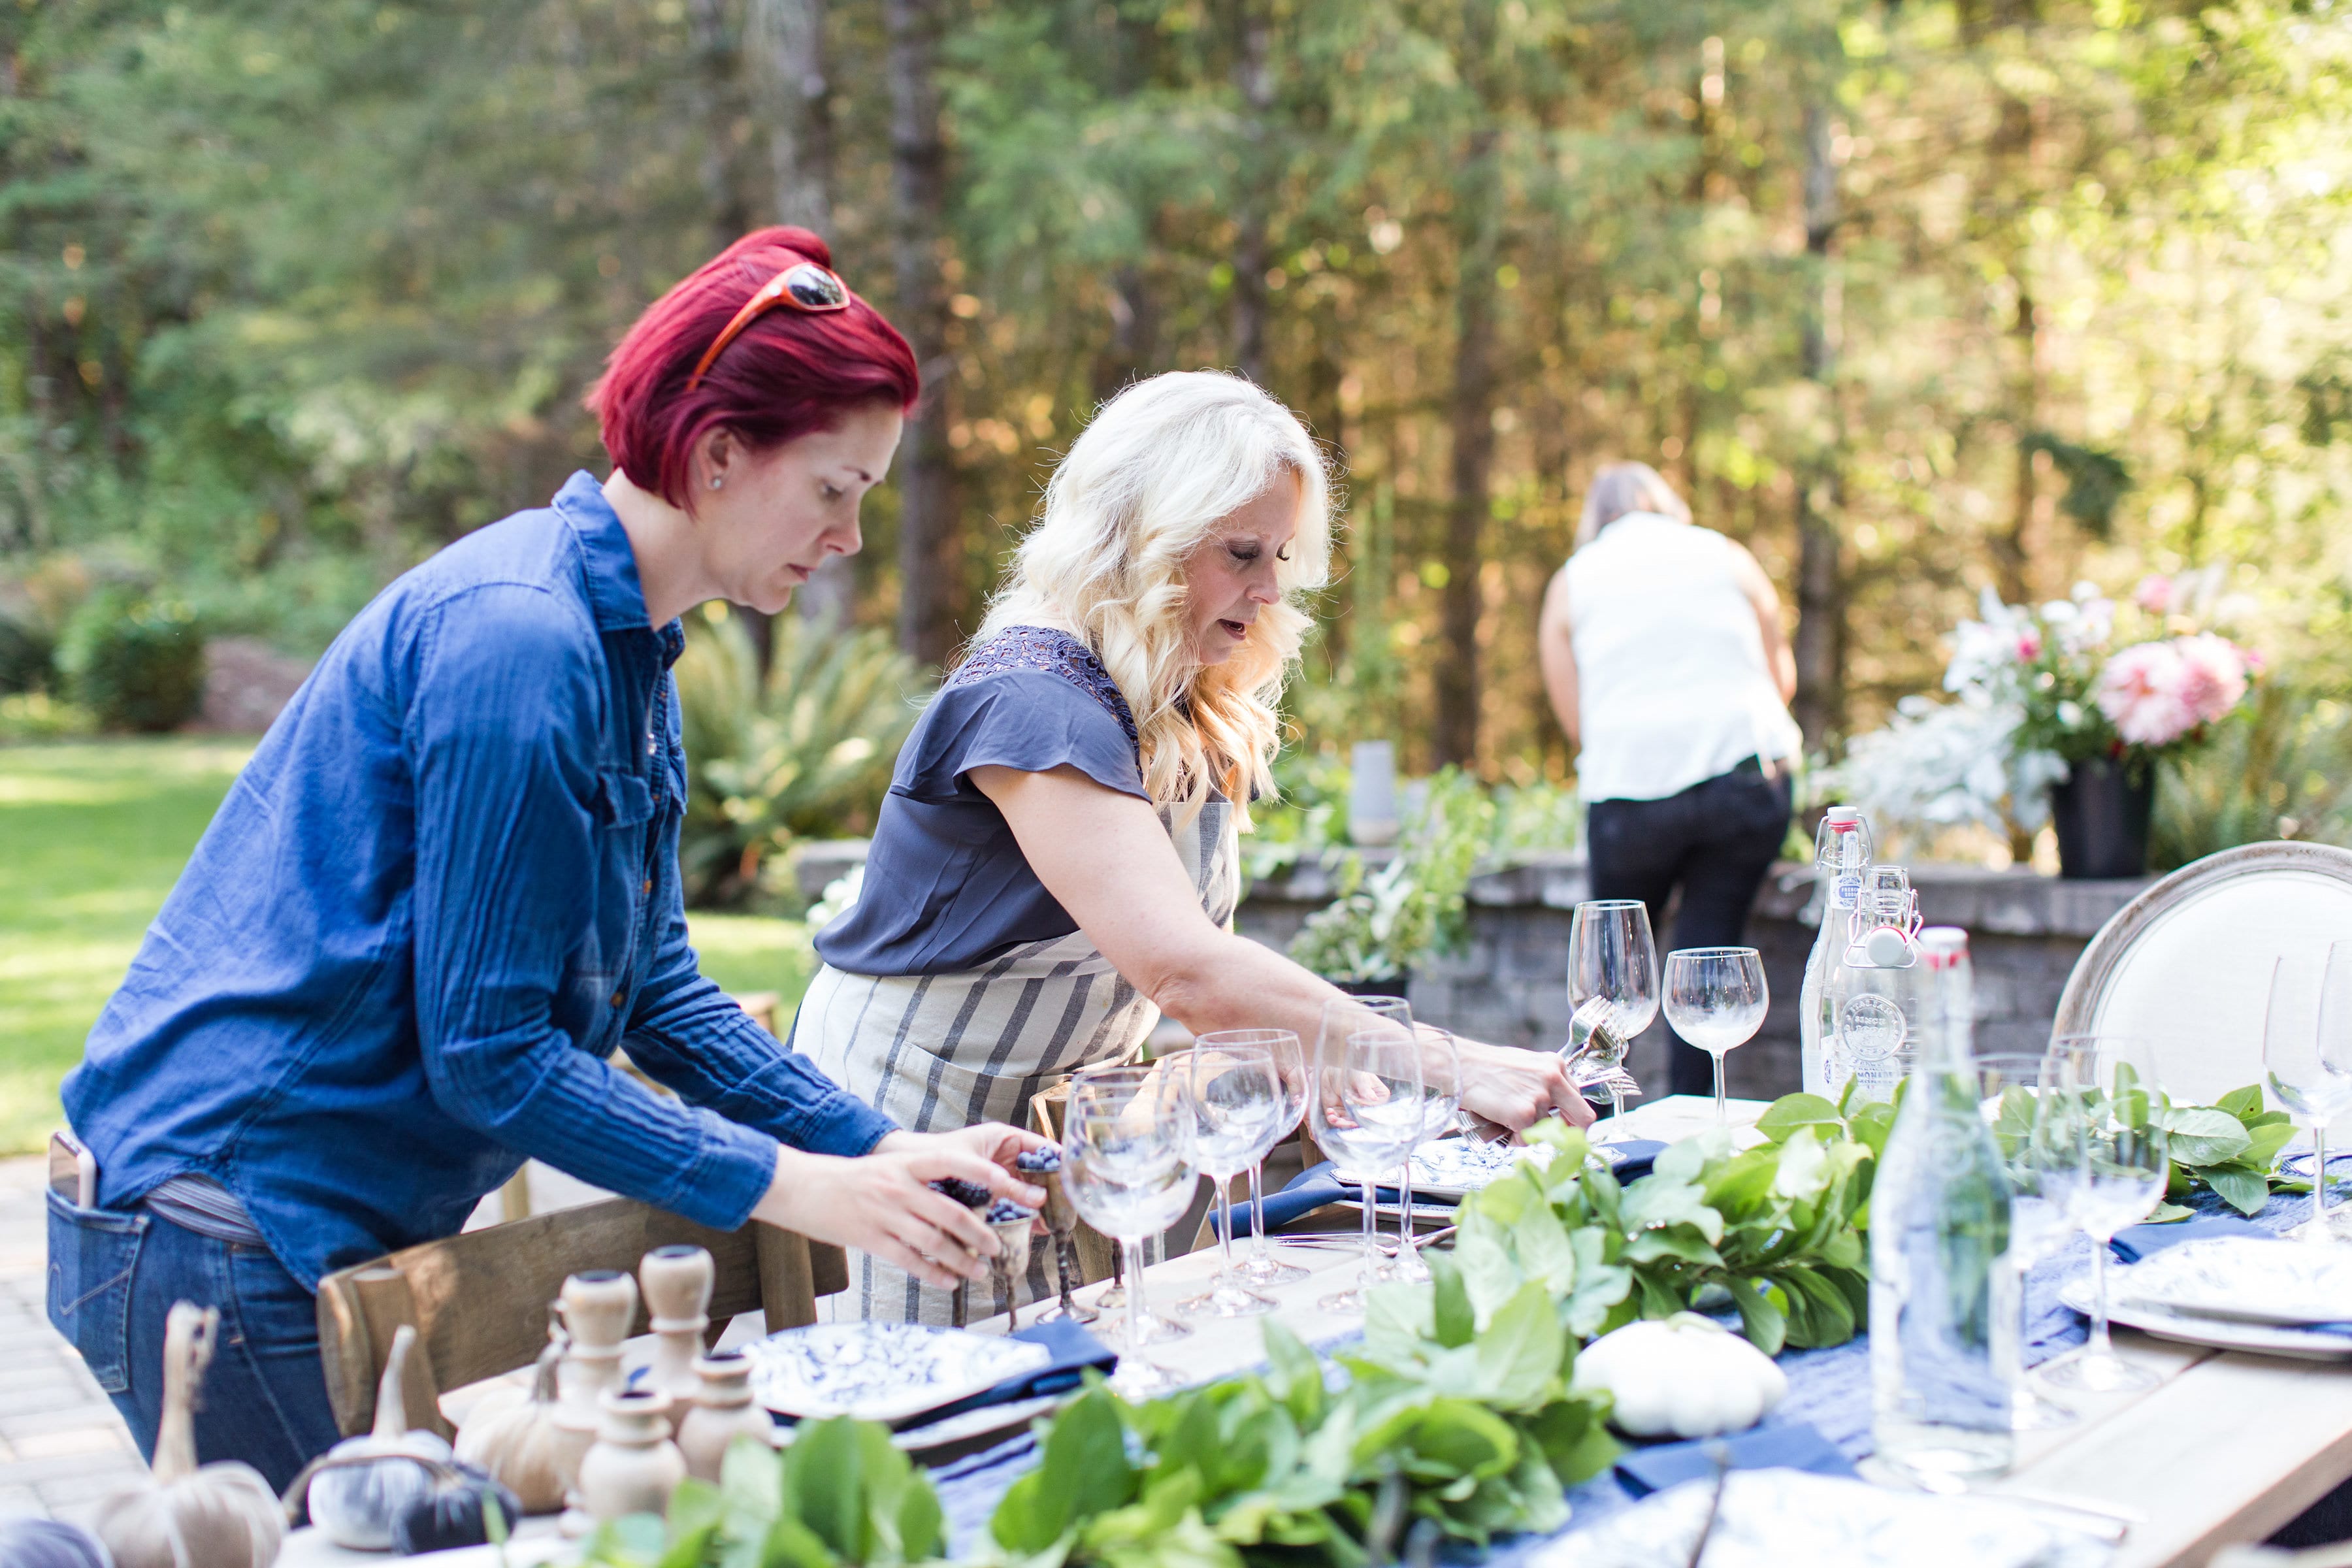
{"x": 446, "y": 889}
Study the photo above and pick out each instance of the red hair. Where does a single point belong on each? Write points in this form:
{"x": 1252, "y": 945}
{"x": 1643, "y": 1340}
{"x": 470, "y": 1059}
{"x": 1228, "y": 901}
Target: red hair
{"x": 788, "y": 373}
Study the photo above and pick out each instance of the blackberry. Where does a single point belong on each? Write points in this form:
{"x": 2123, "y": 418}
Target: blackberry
{"x": 1037, "y": 1162}
{"x": 971, "y": 1194}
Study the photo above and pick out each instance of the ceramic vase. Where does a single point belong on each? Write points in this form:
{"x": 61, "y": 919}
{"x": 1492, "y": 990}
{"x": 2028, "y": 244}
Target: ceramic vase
{"x": 723, "y": 1411}
{"x": 2101, "y": 812}
{"x": 676, "y": 1281}
{"x": 632, "y": 1467}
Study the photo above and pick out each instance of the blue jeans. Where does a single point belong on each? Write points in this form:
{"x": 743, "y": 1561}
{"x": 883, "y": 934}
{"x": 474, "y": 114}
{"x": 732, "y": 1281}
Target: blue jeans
{"x": 113, "y": 1278}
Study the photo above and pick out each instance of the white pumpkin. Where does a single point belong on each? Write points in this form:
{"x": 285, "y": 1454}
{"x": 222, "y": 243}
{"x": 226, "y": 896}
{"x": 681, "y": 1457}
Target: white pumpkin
{"x": 1683, "y": 1376}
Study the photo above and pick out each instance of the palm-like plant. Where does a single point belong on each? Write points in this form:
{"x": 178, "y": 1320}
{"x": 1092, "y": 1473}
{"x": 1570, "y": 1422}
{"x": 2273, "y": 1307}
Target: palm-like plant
{"x": 806, "y": 754}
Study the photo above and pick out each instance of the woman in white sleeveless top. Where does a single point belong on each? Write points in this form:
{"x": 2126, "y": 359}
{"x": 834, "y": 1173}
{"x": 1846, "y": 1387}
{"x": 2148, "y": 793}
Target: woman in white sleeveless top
{"x": 1662, "y": 648}
{"x": 1055, "y": 863}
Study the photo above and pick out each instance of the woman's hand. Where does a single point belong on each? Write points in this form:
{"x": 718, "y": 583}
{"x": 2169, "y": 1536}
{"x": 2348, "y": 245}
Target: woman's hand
{"x": 1517, "y": 1087}
{"x": 882, "y": 1203}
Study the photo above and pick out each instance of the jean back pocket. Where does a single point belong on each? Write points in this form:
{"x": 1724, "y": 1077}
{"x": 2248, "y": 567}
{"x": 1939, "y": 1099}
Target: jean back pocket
{"x": 93, "y": 1253}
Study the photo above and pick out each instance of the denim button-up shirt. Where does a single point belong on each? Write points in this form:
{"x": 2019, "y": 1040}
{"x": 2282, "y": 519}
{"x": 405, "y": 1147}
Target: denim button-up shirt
{"x": 442, "y": 892}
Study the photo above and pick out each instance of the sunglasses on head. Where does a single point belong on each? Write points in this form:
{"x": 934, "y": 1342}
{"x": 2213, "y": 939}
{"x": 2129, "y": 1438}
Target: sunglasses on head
{"x": 803, "y": 286}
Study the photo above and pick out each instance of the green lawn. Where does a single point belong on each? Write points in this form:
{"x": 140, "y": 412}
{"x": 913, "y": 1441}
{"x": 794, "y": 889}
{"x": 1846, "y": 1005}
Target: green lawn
{"x": 91, "y": 835}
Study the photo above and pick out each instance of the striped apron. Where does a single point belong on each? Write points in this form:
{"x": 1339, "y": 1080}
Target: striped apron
{"x": 935, "y": 1052}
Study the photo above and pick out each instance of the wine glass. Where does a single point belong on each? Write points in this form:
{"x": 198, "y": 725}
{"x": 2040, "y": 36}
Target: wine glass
{"x": 1716, "y": 999}
{"x": 1291, "y": 1078}
{"x": 1441, "y": 1100}
{"x": 2009, "y": 1095}
{"x": 2308, "y": 1056}
{"x": 1367, "y": 1114}
{"x": 1236, "y": 1102}
{"x": 1342, "y": 1016}
{"x": 1611, "y": 955}
{"x": 1126, "y": 1148}
{"x": 2108, "y": 1159}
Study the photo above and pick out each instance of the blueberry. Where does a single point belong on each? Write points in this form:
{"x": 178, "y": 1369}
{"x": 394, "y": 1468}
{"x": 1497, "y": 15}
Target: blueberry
{"x": 1038, "y": 1161}
{"x": 1004, "y": 1211}
{"x": 971, "y": 1194}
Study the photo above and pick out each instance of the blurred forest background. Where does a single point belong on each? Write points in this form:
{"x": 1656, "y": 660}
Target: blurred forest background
{"x": 1914, "y": 297}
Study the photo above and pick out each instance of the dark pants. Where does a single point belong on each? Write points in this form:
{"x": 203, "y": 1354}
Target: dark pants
{"x": 1715, "y": 840}
{"x": 112, "y": 1280}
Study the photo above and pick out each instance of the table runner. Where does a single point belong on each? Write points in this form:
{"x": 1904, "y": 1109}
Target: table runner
{"x": 1828, "y": 1389}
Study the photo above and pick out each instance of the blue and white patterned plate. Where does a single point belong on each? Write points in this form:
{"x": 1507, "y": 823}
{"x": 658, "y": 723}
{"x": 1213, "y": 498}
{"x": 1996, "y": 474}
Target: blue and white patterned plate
{"x": 1456, "y": 1167}
{"x": 881, "y": 1371}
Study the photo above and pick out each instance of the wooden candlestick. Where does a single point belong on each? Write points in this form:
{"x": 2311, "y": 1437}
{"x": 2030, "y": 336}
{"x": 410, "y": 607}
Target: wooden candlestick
{"x": 676, "y": 1281}
{"x": 598, "y": 1308}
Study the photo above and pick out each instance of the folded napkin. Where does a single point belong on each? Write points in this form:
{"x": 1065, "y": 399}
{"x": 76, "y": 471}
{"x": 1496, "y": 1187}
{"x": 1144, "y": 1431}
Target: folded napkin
{"x": 1796, "y": 1447}
{"x": 1075, "y": 1351}
{"x": 2135, "y": 1242}
{"x": 1319, "y": 1184}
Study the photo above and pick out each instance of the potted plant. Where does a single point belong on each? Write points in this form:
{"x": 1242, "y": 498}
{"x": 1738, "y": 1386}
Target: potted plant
{"x": 2061, "y": 715}
{"x": 1386, "y": 917}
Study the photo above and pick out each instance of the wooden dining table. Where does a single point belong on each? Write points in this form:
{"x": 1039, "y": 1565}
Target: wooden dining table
{"x": 2227, "y": 1446}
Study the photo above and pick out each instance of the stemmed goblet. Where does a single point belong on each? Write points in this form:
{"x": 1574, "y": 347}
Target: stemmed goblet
{"x": 2008, "y": 1096}
{"x": 1342, "y": 1016}
{"x": 1441, "y": 1100}
{"x": 1367, "y": 1114}
{"x": 1263, "y": 1268}
{"x": 2308, "y": 1056}
{"x": 1126, "y": 1164}
{"x": 1715, "y": 1000}
{"x": 1613, "y": 958}
{"x": 1236, "y": 1104}
{"x": 2108, "y": 1160}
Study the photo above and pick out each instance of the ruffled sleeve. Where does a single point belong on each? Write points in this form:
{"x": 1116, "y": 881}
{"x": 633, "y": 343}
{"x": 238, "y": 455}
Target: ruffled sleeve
{"x": 1028, "y": 719}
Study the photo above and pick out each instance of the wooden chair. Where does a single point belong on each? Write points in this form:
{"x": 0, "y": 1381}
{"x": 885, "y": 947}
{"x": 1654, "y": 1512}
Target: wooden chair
{"x": 478, "y": 1301}
{"x": 2186, "y": 966}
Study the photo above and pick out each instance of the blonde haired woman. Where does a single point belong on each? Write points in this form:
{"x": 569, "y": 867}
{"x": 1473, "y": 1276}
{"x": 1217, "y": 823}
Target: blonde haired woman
{"x": 1055, "y": 864}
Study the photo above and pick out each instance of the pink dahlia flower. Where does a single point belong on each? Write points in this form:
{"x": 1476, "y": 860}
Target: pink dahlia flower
{"x": 2154, "y": 594}
{"x": 2142, "y": 692}
{"x": 2213, "y": 675}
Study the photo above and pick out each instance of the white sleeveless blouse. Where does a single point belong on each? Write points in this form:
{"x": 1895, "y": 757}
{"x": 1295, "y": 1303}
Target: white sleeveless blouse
{"x": 1672, "y": 684}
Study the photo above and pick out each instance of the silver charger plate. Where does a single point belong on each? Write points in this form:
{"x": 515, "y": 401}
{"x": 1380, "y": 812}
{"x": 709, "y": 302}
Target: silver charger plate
{"x": 2234, "y": 1293}
{"x": 881, "y": 1371}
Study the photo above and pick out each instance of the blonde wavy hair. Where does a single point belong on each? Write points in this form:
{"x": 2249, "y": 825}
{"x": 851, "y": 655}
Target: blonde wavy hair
{"x": 1144, "y": 485}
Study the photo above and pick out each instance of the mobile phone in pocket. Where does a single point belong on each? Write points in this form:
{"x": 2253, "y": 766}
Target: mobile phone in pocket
{"x": 73, "y": 1169}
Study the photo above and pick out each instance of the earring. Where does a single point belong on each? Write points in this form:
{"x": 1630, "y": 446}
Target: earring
{"x": 716, "y": 481}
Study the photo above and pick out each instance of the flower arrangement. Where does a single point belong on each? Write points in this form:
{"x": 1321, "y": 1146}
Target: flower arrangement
{"x": 2038, "y": 689}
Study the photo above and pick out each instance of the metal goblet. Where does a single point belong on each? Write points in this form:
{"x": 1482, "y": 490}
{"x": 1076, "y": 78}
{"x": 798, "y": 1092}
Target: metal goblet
{"x": 1061, "y": 1222}
{"x": 1011, "y": 1264}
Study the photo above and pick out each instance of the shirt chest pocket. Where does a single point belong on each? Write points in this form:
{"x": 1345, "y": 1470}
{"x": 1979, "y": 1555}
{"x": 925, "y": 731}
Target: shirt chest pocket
{"x": 623, "y": 799}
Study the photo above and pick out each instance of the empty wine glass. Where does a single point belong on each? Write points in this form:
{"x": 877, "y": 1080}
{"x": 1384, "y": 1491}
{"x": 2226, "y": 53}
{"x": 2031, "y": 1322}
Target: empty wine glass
{"x": 1127, "y": 1151}
{"x": 2108, "y": 1158}
{"x": 1290, "y": 1073}
{"x": 2308, "y": 1056}
{"x": 2009, "y": 1092}
{"x": 1368, "y": 1116}
{"x": 1715, "y": 1000}
{"x": 1342, "y": 1016}
{"x": 1441, "y": 1100}
{"x": 1613, "y": 956}
{"x": 1236, "y": 1101}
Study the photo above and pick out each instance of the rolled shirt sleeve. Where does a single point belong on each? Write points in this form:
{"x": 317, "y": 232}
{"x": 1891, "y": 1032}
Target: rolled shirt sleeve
{"x": 499, "y": 738}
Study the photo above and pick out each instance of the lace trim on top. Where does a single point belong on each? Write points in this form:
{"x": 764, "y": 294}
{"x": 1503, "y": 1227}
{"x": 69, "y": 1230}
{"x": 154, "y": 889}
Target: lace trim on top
{"x": 1051, "y": 652}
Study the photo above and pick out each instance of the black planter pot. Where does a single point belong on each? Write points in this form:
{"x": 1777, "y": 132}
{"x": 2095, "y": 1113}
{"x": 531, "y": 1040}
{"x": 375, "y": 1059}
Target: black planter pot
{"x": 1401, "y": 985}
{"x": 2100, "y": 816}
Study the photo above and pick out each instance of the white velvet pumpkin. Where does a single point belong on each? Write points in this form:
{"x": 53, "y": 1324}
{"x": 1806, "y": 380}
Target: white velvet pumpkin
{"x": 1683, "y": 1376}
{"x": 220, "y": 1515}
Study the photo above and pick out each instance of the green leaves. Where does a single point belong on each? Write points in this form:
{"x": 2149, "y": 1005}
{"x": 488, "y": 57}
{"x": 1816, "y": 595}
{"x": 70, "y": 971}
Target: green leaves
{"x": 1085, "y": 1471}
{"x": 2230, "y": 1147}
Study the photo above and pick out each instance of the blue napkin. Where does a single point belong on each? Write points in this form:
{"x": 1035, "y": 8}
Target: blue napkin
{"x": 2135, "y": 1242}
{"x": 1319, "y": 1184}
{"x": 1796, "y": 1447}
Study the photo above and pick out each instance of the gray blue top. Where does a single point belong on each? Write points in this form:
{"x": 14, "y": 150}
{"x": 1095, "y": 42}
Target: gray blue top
{"x": 440, "y": 895}
{"x": 946, "y": 889}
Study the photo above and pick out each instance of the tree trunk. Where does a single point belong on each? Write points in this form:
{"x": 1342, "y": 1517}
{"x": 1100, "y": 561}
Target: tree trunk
{"x": 1254, "y": 79}
{"x": 1470, "y": 416}
{"x": 928, "y": 555}
{"x": 1821, "y": 577}
{"x": 785, "y": 41}
{"x": 715, "y": 87}
{"x": 1133, "y": 346}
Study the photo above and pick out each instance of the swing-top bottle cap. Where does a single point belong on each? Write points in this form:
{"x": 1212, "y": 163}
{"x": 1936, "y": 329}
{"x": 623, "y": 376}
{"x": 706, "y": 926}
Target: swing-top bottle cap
{"x": 1944, "y": 947}
{"x": 1843, "y": 816}
{"x": 1885, "y": 947}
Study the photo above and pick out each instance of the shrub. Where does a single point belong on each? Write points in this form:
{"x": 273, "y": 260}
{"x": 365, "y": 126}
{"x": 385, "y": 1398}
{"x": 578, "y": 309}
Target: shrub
{"x": 135, "y": 662}
{"x": 2279, "y": 768}
{"x": 27, "y": 656}
{"x": 807, "y": 753}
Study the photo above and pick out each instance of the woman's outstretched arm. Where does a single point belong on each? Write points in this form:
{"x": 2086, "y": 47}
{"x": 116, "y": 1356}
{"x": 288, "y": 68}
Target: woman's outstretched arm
{"x": 1106, "y": 858}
